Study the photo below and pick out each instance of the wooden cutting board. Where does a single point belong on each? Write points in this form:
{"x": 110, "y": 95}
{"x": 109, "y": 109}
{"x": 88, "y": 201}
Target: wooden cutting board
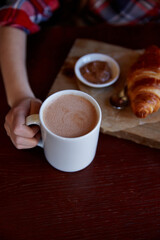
{"x": 146, "y": 133}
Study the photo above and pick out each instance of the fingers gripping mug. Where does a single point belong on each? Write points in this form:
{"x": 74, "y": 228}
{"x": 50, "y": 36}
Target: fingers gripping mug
{"x": 70, "y": 123}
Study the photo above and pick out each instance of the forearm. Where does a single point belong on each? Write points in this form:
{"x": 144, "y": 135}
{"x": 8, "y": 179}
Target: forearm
{"x": 13, "y": 65}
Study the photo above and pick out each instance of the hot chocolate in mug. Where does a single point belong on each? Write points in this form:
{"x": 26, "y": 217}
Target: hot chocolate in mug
{"x": 70, "y": 123}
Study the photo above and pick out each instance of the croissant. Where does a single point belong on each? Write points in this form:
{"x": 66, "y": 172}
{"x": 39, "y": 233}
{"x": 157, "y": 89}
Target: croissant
{"x": 143, "y": 83}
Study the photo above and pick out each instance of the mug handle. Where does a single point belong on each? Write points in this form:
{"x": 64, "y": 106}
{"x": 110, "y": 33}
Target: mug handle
{"x": 31, "y": 120}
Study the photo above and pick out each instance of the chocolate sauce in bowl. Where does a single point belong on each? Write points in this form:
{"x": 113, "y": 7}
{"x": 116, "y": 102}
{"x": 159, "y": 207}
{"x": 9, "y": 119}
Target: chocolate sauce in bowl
{"x": 97, "y": 72}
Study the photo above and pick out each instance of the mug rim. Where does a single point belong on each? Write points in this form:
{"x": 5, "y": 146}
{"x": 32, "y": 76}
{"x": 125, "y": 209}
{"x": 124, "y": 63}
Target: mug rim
{"x": 74, "y": 92}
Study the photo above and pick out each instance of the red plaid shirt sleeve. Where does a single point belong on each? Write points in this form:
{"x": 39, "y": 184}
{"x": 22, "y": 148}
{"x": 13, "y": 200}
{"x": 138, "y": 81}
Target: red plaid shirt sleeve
{"x": 126, "y": 12}
{"x": 27, "y": 14}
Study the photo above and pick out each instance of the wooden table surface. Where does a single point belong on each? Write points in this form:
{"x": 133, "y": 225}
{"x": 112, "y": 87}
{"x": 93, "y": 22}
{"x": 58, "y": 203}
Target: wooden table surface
{"x": 116, "y": 197}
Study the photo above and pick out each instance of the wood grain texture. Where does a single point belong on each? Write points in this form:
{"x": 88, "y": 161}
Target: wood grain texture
{"x": 116, "y": 197}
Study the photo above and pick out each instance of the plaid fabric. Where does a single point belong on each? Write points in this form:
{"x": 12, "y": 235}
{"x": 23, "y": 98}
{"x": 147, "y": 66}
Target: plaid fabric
{"x": 126, "y": 11}
{"x": 27, "y": 14}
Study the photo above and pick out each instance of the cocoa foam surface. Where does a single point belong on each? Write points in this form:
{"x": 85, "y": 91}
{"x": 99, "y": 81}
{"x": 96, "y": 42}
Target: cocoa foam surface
{"x": 70, "y": 116}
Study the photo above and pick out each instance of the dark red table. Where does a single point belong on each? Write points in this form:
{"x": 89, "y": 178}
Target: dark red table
{"x": 116, "y": 197}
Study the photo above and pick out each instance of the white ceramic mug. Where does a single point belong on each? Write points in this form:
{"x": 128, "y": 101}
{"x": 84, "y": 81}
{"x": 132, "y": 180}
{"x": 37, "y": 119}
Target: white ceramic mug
{"x": 63, "y": 153}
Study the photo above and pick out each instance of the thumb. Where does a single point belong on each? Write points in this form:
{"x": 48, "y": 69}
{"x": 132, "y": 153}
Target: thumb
{"x": 35, "y": 106}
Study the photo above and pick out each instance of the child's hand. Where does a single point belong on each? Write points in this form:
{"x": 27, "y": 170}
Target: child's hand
{"x": 21, "y": 135}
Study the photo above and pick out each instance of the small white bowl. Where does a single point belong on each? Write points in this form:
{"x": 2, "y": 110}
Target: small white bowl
{"x": 115, "y": 69}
